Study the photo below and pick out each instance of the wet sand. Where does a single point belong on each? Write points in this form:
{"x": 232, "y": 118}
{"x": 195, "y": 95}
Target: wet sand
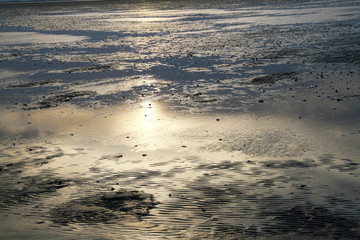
{"x": 180, "y": 121}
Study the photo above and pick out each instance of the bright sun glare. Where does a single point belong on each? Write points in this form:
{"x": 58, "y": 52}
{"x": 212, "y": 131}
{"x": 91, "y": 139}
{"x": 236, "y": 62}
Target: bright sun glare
{"x": 148, "y": 110}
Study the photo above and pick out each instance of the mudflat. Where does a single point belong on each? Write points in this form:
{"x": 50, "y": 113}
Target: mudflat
{"x": 173, "y": 120}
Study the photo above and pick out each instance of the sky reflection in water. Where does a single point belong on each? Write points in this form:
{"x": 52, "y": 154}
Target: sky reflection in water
{"x": 185, "y": 161}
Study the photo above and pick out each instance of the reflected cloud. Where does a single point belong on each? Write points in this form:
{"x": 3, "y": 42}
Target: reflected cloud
{"x": 44, "y": 123}
{"x": 8, "y": 38}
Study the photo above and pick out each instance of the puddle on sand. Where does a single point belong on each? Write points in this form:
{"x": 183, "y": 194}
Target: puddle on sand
{"x": 147, "y": 172}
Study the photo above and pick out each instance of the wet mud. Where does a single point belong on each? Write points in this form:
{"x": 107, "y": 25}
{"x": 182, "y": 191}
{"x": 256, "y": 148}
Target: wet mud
{"x": 55, "y": 101}
{"x": 33, "y": 84}
{"x": 271, "y": 78}
{"x": 18, "y": 189}
{"x": 90, "y": 69}
{"x": 313, "y": 221}
{"x": 104, "y": 207}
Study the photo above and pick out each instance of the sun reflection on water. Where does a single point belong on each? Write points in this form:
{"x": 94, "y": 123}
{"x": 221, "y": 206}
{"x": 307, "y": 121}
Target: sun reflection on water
{"x": 148, "y": 110}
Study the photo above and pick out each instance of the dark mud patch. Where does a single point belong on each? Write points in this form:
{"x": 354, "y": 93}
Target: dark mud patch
{"x": 47, "y": 159}
{"x": 56, "y": 101}
{"x": 114, "y": 157}
{"x": 25, "y": 189}
{"x": 290, "y": 164}
{"x": 281, "y": 53}
{"x": 340, "y": 164}
{"x": 33, "y": 84}
{"x": 225, "y": 165}
{"x": 343, "y": 56}
{"x": 139, "y": 174}
{"x": 200, "y": 98}
{"x": 346, "y": 165}
{"x": 272, "y": 78}
{"x": 97, "y": 68}
{"x": 104, "y": 207}
{"x": 312, "y": 221}
{"x": 9, "y": 56}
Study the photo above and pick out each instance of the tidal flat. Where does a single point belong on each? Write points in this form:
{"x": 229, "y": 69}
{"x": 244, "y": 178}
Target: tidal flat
{"x": 178, "y": 120}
